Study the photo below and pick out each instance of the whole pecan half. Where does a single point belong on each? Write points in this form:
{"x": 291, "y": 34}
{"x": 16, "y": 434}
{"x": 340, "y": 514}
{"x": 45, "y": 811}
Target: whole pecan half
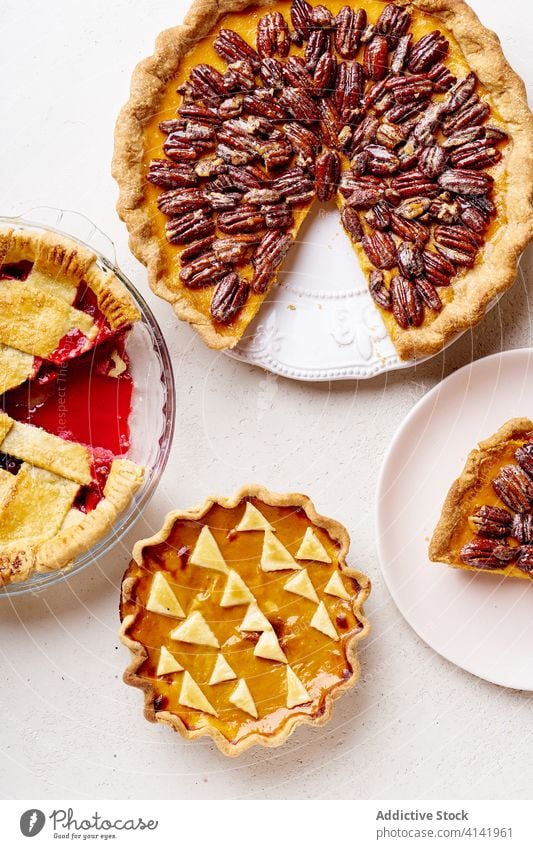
{"x": 304, "y": 142}
{"x": 379, "y": 216}
{"x": 465, "y": 182}
{"x": 380, "y": 249}
{"x": 271, "y": 73}
{"x": 393, "y": 22}
{"x": 351, "y": 223}
{"x": 433, "y": 161}
{"x": 476, "y": 155}
{"x": 327, "y": 175}
{"x": 295, "y": 185}
{"x": 330, "y": 124}
{"x": 188, "y": 228}
{"x": 273, "y": 36}
{"x": 206, "y": 270}
{"x": 414, "y": 184}
{"x": 401, "y": 53}
{"x": 262, "y": 102}
{"x": 381, "y": 160}
{"x": 325, "y": 75}
{"x": 474, "y": 113}
{"x": 429, "y": 50}
{"x": 269, "y": 254}
{"x": 196, "y": 112}
{"x": 301, "y": 17}
{"x": 441, "y": 77}
{"x": 349, "y": 28}
{"x": 514, "y": 488}
{"x": 179, "y": 201}
{"x": 231, "y": 47}
{"x": 278, "y": 216}
{"x": 522, "y": 529}
{"x": 207, "y": 83}
{"x": 170, "y": 175}
{"x": 428, "y": 294}
{"x": 196, "y": 249}
{"x": 299, "y": 104}
{"x": 317, "y": 45}
{"x": 238, "y": 78}
{"x": 230, "y": 251}
{"x": 483, "y": 553}
{"x": 491, "y": 522}
{"x": 413, "y": 208}
{"x": 229, "y": 298}
{"x": 460, "y": 93}
{"x": 410, "y": 231}
{"x": 410, "y": 260}
{"x": 376, "y": 57}
{"x": 438, "y": 269}
{"x": 407, "y": 307}
{"x": 247, "y": 218}
{"x": 379, "y": 292}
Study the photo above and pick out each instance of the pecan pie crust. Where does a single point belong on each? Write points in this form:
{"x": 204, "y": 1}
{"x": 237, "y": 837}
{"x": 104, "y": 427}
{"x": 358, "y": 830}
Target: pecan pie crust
{"x": 472, "y": 490}
{"x": 473, "y": 290}
{"x": 329, "y": 664}
{"x": 53, "y": 469}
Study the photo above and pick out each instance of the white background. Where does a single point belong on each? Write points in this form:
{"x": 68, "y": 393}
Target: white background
{"x": 415, "y": 726}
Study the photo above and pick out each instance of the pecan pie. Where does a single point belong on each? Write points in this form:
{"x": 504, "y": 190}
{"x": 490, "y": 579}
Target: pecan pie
{"x": 243, "y": 619}
{"x": 65, "y": 398}
{"x": 406, "y": 114}
{"x": 487, "y": 520}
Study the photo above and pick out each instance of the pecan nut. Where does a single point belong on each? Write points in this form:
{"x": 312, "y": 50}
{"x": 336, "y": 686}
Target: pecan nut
{"x": 207, "y": 83}
{"x": 491, "y": 522}
{"x": 229, "y": 298}
{"x": 170, "y": 175}
{"x": 188, "y": 228}
{"x": 522, "y": 529}
{"x": 271, "y": 73}
{"x": 301, "y": 17}
{"x": 466, "y": 182}
{"x": 351, "y": 223}
{"x": 429, "y": 50}
{"x": 393, "y": 22}
{"x": 179, "y": 201}
{"x": 379, "y": 216}
{"x": 380, "y": 249}
{"x": 381, "y": 160}
{"x": 268, "y": 256}
{"x": 325, "y": 75}
{"x": 401, "y": 53}
{"x": 327, "y": 175}
{"x": 303, "y": 141}
{"x": 483, "y": 553}
{"x": 410, "y": 260}
{"x": 428, "y": 294}
{"x": 410, "y": 231}
{"x": 295, "y": 185}
{"x": 524, "y": 458}
{"x": 273, "y": 36}
{"x": 376, "y": 57}
{"x": 349, "y": 26}
{"x": 247, "y": 218}
{"x": 438, "y": 269}
{"x": 525, "y": 558}
{"x": 230, "y": 251}
{"x": 203, "y": 271}
{"x": 317, "y": 45}
{"x": 433, "y": 160}
{"x": 514, "y": 488}
{"x": 407, "y": 306}
{"x": 232, "y": 48}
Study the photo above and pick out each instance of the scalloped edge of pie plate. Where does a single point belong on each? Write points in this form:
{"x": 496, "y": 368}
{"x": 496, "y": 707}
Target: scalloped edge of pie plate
{"x": 82, "y": 230}
{"x": 308, "y": 332}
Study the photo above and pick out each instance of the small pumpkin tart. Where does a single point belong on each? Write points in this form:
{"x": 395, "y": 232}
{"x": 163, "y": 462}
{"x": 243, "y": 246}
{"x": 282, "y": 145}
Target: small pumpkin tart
{"x": 243, "y": 619}
{"x": 487, "y": 520}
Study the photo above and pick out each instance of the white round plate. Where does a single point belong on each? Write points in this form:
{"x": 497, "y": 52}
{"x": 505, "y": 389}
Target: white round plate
{"x": 321, "y": 323}
{"x": 480, "y": 622}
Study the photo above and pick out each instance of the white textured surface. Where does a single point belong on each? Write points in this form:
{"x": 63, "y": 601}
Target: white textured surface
{"x": 416, "y": 726}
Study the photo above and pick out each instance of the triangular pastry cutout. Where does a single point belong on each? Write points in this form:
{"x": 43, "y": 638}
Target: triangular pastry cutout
{"x": 222, "y": 671}
{"x": 296, "y": 692}
{"x": 336, "y": 587}
{"x": 253, "y": 520}
{"x": 167, "y": 663}
{"x": 243, "y": 699}
{"x": 269, "y": 648}
{"x": 162, "y": 598}
{"x": 301, "y": 584}
{"x": 312, "y": 549}
{"x": 321, "y": 622}
{"x": 275, "y": 556}
{"x": 235, "y": 592}
{"x": 196, "y": 631}
{"x": 254, "y": 620}
{"x": 191, "y": 696}
{"x": 207, "y": 553}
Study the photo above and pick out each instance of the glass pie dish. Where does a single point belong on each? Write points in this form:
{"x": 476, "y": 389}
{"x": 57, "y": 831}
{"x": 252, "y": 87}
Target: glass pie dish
{"x": 148, "y": 419}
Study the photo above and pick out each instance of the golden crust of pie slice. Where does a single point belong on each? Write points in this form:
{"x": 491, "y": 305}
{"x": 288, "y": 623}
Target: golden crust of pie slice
{"x": 472, "y": 48}
{"x": 472, "y": 490}
{"x": 267, "y": 660}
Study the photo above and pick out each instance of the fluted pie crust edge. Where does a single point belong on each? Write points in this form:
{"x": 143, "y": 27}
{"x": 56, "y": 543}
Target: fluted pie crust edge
{"x": 475, "y": 290}
{"x": 338, "y": 533}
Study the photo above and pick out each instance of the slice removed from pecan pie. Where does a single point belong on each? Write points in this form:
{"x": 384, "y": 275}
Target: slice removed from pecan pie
{"x": 487, "y": 520}
{"x": 65, "y": 400}
{"x": 407, "y": 114}
{"x": 243, "y": 619}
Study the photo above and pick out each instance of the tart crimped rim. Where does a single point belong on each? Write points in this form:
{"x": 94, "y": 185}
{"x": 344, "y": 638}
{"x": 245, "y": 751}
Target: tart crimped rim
{"x": 455, "y": 512}
{"x": 473, "y": 291}
{"x": 337, "y": 532}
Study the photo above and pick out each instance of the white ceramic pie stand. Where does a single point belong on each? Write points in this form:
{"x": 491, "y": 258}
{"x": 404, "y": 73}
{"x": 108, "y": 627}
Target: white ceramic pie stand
{"x": 481, "y": 622}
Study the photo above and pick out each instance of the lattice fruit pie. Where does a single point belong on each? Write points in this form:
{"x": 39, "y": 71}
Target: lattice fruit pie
{"x": 487, "y": 520}
{"x": 243, "y": 619}
{"x": 65, "y": 398}
{"x": 406, "y": 114}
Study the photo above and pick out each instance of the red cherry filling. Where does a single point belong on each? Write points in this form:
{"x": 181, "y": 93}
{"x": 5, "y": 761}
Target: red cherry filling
{"x": 16, "y": 270}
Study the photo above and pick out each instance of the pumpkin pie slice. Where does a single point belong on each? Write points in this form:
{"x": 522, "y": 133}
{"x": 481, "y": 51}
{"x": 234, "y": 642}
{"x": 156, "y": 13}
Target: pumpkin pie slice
{"x": 486, "y": 524}
{"x": 406, "y": 115}
{"x": 243, "y": 654}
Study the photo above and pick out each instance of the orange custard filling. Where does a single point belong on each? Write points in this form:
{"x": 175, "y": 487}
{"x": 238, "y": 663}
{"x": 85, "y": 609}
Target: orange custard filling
{"x": 261, "y": 631}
